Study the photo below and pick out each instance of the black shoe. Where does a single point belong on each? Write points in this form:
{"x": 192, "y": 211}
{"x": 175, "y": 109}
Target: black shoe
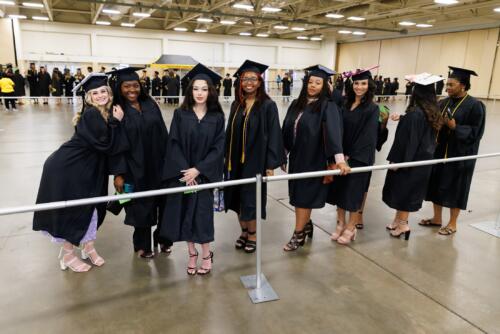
{"x": 251, "y": 245}
{"x": 309, "y": 229}
{"x": 242, "y": 241}
{"x": 206, "y": 271}
{"x": 298, "y": 239}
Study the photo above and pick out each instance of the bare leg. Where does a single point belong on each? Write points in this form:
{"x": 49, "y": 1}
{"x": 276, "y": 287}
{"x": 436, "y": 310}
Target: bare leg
{"x": 193, "y": 258}
{"x": 454, "y": 213}
{"x": 206, "y": 265}
{"x": 360, "y": 224}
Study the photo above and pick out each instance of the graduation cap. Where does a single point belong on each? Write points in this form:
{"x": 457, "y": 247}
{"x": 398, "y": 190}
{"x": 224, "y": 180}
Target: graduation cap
{"x": 92, "y": 81}
{"x": 250, "y": 66}
{"x": 125, "y": 74}
{"x": 423, "y": 79}
{"x": 359, "y": 74}
{"x": 320, "y": 71}
{"x": 462, "y": 74}
{"x": 201, "y": 72}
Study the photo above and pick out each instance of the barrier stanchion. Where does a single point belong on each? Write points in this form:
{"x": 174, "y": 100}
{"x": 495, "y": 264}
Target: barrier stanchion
{"x": 490, "y": 227}
{"x": 260, "y": 289}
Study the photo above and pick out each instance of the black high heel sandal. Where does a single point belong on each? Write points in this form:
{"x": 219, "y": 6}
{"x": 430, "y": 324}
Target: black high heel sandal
{"x": 298, "y": 239}
{"x": 207, "y": 271}
{"x": 251, "y": 245}
{"x": 242, "y": 241}
{"x": 309, "y": 229}
{"x": 189, "y": 270}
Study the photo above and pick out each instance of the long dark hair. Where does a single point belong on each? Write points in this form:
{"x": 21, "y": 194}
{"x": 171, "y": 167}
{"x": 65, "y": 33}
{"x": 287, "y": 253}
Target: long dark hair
{"x": 323, "y": 95}
{"x": 119, "y": 99}
{"x": 425, "y": 99}
{"x": 366, "y": 99}
{"x": 260, "y": 96}
{"x": 213, "y": 104}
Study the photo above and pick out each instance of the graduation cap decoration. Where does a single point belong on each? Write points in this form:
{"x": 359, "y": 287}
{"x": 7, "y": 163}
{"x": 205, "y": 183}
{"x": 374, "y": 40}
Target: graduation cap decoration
{"x": 359, "y": 74}
{"x": 423, "y": 79}
{"x": 250, "y": 66}
{"x": 92, "y": 81}
{"x": 201, "y": 72}
{"x": 320, "y": 71}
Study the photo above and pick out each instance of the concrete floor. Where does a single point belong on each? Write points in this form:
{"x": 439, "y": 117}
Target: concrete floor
{"x": 430, "y": 284}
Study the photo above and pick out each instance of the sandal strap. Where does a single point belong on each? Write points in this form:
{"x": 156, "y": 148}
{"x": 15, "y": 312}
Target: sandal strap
{"x": 193, "y": 255}
{"x": 251, "y": 233}
{"x": 244, "y": 230}
{"x": 210, "y": 256}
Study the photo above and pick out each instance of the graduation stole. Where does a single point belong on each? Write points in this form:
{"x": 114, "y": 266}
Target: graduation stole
{"x": 452, "y": 114}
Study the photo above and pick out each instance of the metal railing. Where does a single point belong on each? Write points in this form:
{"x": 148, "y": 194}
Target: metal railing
{"x": 260, "y": 289}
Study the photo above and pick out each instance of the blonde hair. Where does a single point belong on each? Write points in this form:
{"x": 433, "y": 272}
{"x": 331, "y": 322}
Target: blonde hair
{"x": 104, "y": 110}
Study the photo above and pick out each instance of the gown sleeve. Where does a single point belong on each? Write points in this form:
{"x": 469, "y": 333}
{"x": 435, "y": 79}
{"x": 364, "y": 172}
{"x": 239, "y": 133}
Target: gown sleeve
{"x": 332, "y": 130}
{"x": 275, "y": 153}
{"x": 287, "y": 130}
{"x": 212, "y": 165}
{"x": 407, "y": 140}
{"x": 175, "y": 161}
{"x": 470, "y": 133}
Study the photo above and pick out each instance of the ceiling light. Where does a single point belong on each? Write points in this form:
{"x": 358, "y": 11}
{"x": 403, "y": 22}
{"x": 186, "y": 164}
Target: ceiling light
{"x": 111, "y": 11}
{"x": 180, "y": 29}
{"x": 200, "y": 30}
{"x": 14, "y": 16}
{"x": 497, "y": 9}
{"x": 7, "y": 3}
{"x": 262, "y": 35}
{"x": 248, "y": 22}
{"x": 271, "y": 9}
{"x": 280, "y": 27}
{"x": 204, "y": 19}
{"x": 334, "y": 16}
{"x": 359, "y": 33}
{"x": 227, "y": 22}
{"x": 141, "y": 14}
{"x": 446, "y": 2}
{"x": 356, "y": 18}
{"x": 128, "y": 25}
{"x": 298, "y": 29}
{"x": 40, "y": 18}
{"x": 33, "y": 4}
{"x": 103, "y": 23}
{"x": 243, "y": 6}
{"x": 406, "y": 23}
{"x": 345, "y": 32}
{"x": 316, "y": 39}
{"x": 245, "y": 34}
{"x": 302, "y": 37}
{"x": 424, "y": 25}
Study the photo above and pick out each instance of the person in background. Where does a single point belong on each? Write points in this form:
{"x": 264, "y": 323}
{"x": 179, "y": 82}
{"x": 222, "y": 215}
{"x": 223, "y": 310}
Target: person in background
{"x": 34, "y": 85}
{"x": 173, "y": 88}
{"x": 228, "y": 86}
{"x": 57, "y": 85}
{"x": 409, "y": 89}
{"x": 45, "y": 81}
{"x": 439, "y": 87}
{"x": 7, "y": 91}
{"x": 278, "y": 81}
{"x": 195, "y": 155}
{"x": 79, "y": 78}
{"x": 145, "y": 82}
{"x": 103, "y": 69}
{"x": 404, "y": 189}
{"x": 394, "y": 88}
{"x": 20, "y": 86}
{"x": 156, "y": 86}
{"x": 90, "y": 69}
{"x": 286, "y": 87}
{"x": 68, "y": 82}
{"x": 164, "y": 83}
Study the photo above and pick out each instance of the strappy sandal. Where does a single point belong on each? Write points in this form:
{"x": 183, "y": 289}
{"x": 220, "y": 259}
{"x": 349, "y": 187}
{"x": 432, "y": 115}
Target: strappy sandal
{"x": 309, "y": 229}
{"x": 191, "y": 271}
{"x": 428, "y": 223}
{"x": 96, "y": 259}
{"x": 446, "y": 231}
{"x": 74, "y": 263}
{"x": 297, "y": 240}
{"x": 242, "y": 241}
{"x": 360, "y": 226}
{"x": 251, "y": 245}
{"x": 206, "y": 271}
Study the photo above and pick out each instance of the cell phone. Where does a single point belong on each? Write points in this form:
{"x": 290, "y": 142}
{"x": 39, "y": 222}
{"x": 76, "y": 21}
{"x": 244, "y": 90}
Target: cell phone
{"x": 448, "y": 113}
{"x": 128, "y": 188}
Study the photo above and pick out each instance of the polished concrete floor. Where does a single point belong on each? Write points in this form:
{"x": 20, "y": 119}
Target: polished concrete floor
{"x": 429, "y": 284}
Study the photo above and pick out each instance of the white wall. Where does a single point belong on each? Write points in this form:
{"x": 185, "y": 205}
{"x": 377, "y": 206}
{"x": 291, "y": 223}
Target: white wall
{"x": 59, "y": 43}
{"x": 6, "y": 42}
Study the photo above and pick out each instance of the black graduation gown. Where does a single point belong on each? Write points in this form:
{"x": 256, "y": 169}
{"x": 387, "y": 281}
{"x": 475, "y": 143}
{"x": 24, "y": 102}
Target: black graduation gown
{"x": 200, "y": 144}
{"x": 415, "y": 140}
{"x": 318, "y": 139}
{"x": 439, "y": 87}
{"x": 33, "y": 83}
{"x": 68, "y": 85}
{"x": 19, "y": 89}
{"x": 409, "y": 88}
{"x": 286, "y": 86}
{"x": 164, "y": 82}
{"x": 57, "y": 87}
{"x": 173, "y": 86}
{"x": 359, "y": 142}
{"x": 147, "y": 135}
{"x": 44, "y": 82}
{"x": 156, "y": 87}
{"x": 449, "y": 184}
{"x": 228, "y": 85}
{"x": 79, "y": 169}
{"x": 337, "y": 97}
{"x": 263, "y": 150}
{"x": 380, "y": 87}
{"x": 146, "y": 83}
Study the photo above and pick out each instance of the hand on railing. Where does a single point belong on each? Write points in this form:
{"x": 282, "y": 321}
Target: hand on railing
{"x": 269, "y": 172}
{"x": 344, "y": 168}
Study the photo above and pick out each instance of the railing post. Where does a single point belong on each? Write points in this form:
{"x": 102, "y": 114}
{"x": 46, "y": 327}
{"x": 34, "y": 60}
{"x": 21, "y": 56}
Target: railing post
{"x": 260, "y": 289}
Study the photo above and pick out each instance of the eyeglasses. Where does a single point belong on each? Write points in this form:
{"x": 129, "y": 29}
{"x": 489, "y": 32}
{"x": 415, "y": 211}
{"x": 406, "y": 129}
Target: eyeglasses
{"x": 254, "y": 79}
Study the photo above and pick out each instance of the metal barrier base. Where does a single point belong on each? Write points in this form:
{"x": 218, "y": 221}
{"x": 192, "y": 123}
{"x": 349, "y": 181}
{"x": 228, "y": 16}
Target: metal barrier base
{"x": 488, "y": 227}
{"x": 262, "y": 295}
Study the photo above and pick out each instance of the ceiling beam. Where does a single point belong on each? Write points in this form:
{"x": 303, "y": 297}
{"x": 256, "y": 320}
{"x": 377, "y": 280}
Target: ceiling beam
{"x": 97, "y": 12}
{"x": 151, "y": 11}
{"x": 48, "y": 8}
{"x": 214, "y": 7}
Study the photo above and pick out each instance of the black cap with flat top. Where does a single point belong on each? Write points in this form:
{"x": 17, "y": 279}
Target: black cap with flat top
{"x": 250, "y": 66}
{"x": 320, "y": 71}
{"x": 92, "y": 81}
{"x": 201, "y": 72}
{"x": 460, "y": 73}
{"x": 126, "y": 74}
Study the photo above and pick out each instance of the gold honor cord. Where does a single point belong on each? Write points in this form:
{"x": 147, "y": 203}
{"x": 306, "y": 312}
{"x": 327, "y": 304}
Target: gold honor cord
{"x": 452, "y": 114}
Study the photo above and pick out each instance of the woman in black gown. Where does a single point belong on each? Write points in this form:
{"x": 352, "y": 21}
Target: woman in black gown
{"x": 253, "y": 146}
{"x": 415, "y": 139}
{"x": 195, "y": 155}
{"x": 147, "y": 134}
{"x": 312, "y": 136}
{"x": 68, "y": 82}
{"x": 360, "y": 125}
{"x": 80, "y": 169}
